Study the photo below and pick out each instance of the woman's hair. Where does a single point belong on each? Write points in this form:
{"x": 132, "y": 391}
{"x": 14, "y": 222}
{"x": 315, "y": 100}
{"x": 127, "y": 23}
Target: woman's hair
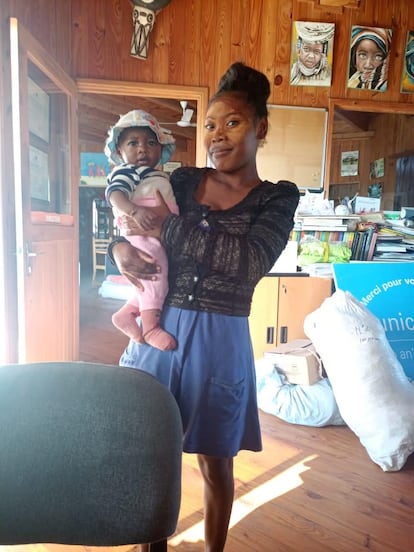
{"x": 248, "y": 82}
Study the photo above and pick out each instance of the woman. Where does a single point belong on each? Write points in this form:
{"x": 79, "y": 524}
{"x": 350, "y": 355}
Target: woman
{"x": 231, "y": 228}
{"x": 368, "y": 64}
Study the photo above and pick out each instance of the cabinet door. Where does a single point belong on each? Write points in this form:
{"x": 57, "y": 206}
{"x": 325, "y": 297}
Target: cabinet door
{"x": 263, "y": 315}
{"x": 297, "y": 298}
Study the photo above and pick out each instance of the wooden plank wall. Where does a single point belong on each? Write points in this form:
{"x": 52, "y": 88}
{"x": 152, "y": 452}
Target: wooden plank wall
{"x": 388, "y": 133}
{"x": 194, "y": 41}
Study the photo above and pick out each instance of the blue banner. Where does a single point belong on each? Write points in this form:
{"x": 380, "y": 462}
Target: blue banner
{"x": 387, "y": 290}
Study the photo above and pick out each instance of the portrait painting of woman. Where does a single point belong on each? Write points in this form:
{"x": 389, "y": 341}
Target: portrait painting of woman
{"x": 368, "y": 58}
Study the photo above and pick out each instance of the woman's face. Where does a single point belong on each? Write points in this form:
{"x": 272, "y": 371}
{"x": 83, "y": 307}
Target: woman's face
{"x": 139, "y": 146}
{"x": 368, "y": 57}
{"x": 232, "y": 133}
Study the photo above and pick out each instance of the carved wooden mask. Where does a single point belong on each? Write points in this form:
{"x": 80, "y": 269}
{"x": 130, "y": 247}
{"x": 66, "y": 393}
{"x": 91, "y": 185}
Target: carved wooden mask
{"x": 143, "y": 19}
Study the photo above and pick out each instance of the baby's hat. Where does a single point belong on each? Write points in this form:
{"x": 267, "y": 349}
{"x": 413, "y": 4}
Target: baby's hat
{"x": 138, "y": 118}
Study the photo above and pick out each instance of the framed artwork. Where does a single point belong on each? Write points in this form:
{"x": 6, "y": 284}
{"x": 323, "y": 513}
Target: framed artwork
{"x": 376, "y": 168}
{"x": 375, "y": 189}
{"x": 349, "y": 163}
{"x": 368, "y": 58}
{"x": 311, "y": 53}
{"x": 94, "y": 168}
{"x": 407, "y": 81}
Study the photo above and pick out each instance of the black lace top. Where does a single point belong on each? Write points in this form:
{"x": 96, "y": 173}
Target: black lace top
{"x": 217, "y": 257}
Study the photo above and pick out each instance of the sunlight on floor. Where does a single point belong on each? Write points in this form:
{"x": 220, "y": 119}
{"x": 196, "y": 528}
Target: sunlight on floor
{"x": 281, "y": 484}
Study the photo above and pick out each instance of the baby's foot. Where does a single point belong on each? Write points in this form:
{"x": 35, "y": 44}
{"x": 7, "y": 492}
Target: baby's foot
{"x": 153, "y": 334}
{"x": 126, "y": 320}
{"x": 160, "y": 339}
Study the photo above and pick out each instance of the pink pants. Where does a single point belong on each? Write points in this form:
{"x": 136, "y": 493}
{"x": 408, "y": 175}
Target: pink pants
{"x": 155, "y": 291}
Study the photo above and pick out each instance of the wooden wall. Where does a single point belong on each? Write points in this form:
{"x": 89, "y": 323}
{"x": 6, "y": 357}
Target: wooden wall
{"x": 388, "y": 136}
{"x": 194, "y": 41}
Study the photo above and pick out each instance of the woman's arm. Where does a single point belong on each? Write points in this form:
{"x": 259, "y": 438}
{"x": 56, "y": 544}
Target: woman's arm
{"x": 244, "y": 244}
{"x": 133, "y": 263}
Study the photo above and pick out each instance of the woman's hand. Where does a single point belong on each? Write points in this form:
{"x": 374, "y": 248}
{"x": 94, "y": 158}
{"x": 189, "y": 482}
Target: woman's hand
{"x": 149, "y": 220}
{"x": 135, "y": 264}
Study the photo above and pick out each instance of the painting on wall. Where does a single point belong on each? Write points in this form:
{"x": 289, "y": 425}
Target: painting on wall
{"x": 349, "y": 163}
{"x": 375, "y": 189}
{"x": 94, "y": 168}
{"x": 407, "y": 81}
{"x": 368, "y": 58}
{"x": 311, "y": 53}
{"x": 376, "y": 168}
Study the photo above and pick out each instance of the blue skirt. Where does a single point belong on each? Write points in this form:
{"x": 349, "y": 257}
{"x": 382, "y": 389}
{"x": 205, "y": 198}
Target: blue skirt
{"x": 211, "y": 374}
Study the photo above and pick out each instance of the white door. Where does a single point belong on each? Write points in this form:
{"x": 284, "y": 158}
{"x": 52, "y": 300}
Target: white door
{"x": 46, "y": 177}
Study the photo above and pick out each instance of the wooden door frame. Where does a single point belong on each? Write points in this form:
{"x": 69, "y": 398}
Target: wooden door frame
{"x": 8, "y": 232}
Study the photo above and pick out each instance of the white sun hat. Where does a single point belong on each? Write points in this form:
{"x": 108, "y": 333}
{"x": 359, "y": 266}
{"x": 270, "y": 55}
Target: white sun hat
{"x": 138, "y": 118}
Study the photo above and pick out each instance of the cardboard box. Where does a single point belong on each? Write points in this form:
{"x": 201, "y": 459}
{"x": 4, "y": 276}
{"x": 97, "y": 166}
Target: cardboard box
{"x": 298, "y": 361}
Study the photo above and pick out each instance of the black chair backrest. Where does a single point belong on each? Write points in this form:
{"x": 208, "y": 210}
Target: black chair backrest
{"x": 89, "y": 454}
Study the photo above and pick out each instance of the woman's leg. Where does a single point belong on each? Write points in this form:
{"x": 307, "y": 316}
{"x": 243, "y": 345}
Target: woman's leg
{"x": 218, "y": 499}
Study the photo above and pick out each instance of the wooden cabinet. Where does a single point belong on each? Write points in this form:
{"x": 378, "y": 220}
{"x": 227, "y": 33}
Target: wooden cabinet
{"x": 279, "y": 307}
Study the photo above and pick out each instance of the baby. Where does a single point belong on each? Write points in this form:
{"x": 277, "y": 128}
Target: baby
{"x": 137, "y": 144}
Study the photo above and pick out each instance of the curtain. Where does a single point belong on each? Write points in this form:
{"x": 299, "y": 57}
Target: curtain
{"x": 404, "y": 185}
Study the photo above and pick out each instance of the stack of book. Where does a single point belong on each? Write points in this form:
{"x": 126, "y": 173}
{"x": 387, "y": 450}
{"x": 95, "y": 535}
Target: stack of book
{"x": 335, "y": 223}
{"x": 395, "y": 241}
{"x": 364, "y": 243}
{"x": 393, "y": 247}
{"x": 326, "y": 228}
{"x": 370, "y": 236}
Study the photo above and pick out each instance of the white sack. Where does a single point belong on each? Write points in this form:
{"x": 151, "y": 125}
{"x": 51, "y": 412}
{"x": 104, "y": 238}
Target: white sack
{"x": 374, "y": 396}
{"x": 310, "y": 405}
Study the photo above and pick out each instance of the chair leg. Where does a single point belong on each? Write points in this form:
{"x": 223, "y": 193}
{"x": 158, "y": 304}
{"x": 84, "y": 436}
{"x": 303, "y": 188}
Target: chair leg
{"x": 160, "y": 546}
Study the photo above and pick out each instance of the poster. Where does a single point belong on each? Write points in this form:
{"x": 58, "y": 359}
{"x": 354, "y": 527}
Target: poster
{"x": 376, "y": 168}
{"x": 349, "y": 163}
{"x": 387, "y": 290}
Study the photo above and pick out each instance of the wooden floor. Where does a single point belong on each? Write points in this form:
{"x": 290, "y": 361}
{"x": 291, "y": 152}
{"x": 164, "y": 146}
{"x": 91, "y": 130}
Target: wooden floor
{"x": 310, "y": 490}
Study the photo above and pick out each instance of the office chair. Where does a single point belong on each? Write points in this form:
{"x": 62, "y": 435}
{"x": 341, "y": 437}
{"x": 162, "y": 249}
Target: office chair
{"x": 89, "y": 454}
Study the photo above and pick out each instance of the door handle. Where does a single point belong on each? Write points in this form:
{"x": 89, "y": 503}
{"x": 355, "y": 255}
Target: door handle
{"x": 29, "y": 255}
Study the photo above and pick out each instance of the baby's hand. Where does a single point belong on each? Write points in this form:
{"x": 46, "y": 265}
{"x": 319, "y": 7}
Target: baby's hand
{"x": 143, "y": 218}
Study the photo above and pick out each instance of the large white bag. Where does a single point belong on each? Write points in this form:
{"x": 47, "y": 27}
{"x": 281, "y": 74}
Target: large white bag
{"x": 374, "y": 396}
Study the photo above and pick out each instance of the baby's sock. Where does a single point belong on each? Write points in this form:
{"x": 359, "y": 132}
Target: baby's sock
{"x": 153, "y": 334}
{"x": 126, "y": 320}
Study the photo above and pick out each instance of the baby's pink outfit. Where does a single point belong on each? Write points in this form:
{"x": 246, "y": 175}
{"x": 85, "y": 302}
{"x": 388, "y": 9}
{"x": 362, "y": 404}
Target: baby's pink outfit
{"x": 144, "y": 195}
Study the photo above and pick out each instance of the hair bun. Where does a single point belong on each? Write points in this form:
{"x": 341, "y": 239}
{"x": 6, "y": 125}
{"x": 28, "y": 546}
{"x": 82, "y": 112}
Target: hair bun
{"x": 242, "y": 78}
